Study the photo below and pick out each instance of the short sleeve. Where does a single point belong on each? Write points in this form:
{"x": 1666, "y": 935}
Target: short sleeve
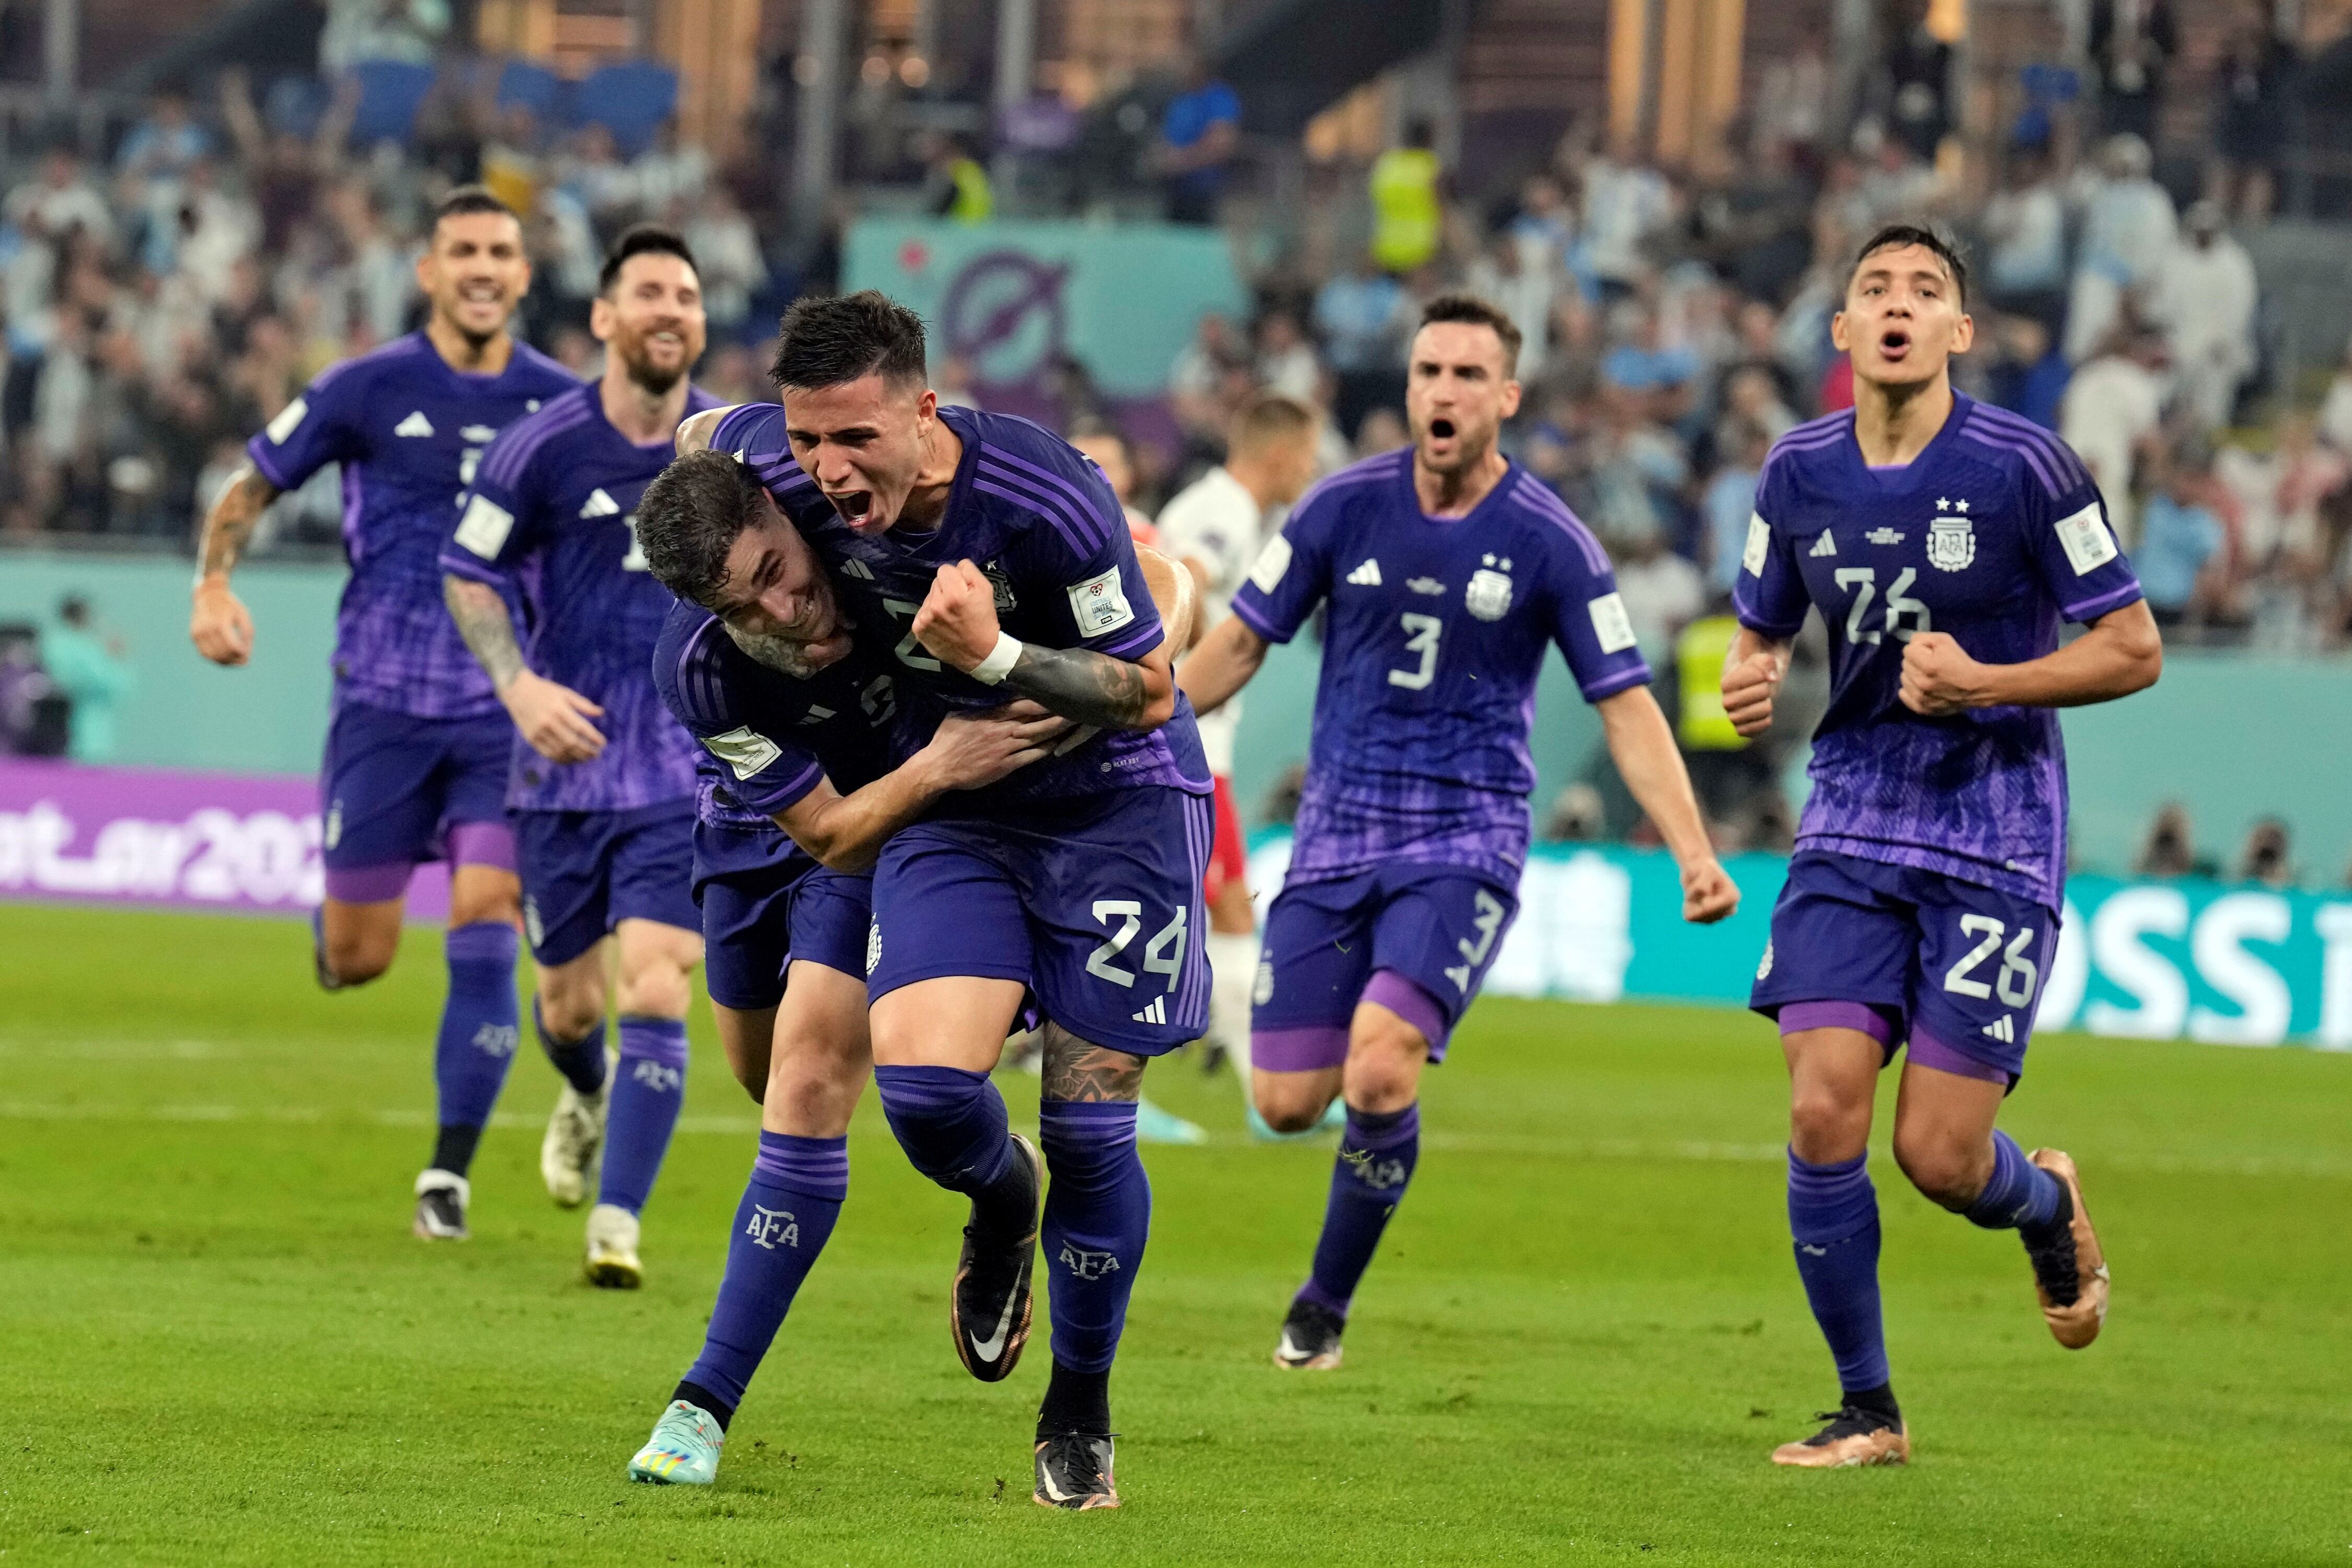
{"x": 502, "y": 517}
{"x": 1768, "y": 595}
{"x": 762, "y": 766}
{"x": 2072, "y": 545}
{"x": 1079, "y": 560}
{"x": 1293, "y": 571}
{"x": 320, "y": 427}
{"x": 1589, "y": 618}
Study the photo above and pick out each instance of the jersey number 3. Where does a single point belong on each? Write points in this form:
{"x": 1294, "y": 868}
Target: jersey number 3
{"x": 1420, "y": 637}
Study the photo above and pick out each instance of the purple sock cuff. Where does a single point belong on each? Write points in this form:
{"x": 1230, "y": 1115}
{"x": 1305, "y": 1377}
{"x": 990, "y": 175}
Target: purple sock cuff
{"x": 1380, "y": 1131}
{"x": 1309, "y": 1049}
{"x": 368, "y": 884}
{"x": 1925, "y": 1050}
{"x": 927, "y": 1089}
{"x": 490, "y": 844}
{"x": 1311, "y": 1291}
{"x": 1088, "y": 1121}
{"x": 660, "y": 1039}
{"x": 1831, "y": 1203}
{"x": 815, "y": 1167}
{"x": 1872, "y": 1021}
{"x": 1409, "y": 1001}
{"x": 484, "y": 942}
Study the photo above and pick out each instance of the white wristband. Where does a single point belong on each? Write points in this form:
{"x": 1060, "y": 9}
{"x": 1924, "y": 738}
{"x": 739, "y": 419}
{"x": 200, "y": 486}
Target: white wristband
{"x": 1000, "y": 661}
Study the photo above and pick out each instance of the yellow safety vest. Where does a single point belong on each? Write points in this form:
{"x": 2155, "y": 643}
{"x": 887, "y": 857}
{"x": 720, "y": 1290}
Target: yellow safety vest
{"x": 1406, "y": 217}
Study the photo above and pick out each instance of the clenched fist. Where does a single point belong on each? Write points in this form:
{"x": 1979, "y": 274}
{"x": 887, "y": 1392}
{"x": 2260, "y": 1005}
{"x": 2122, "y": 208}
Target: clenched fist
{"x": 958, "y": 619}
{"x": 1939, "y": 677}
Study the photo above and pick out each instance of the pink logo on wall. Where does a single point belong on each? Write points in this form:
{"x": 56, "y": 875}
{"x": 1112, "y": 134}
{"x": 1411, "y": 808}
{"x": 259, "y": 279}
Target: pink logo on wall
{"x": 238, "y": 842}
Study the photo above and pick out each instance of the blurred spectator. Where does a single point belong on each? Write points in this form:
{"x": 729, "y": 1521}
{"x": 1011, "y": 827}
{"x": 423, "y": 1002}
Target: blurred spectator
{"x": 2025, "y": 225}
{"x": 2112, "y": 404}
{"x": 670, "y": 175}
{"x": 1285, "y": 360}
{"x": 1366, "y": 320}
{"x": 1576, "y": 816}
{"x": 1501, "y": 276}
{"x": 2131, "y": 43}
{"x": 728, "y": 252}
{"x": 2170, "y": 847}
{"x": 166, "y": 141}
{"x": 955, "y": 184}
{"x": 2336, "y": 411}
{"x": 2179, "y": 538}
{"x": 1660, "y": 376}
{"x": 954, "y": 383}
{"x": 1407, "y": 219}
{"x": 1663, "y": 593}
{"x": 1625, "y": 204}
{"x": 2283, "y": 543}
{"x": 2203, "y": 294}
{"x": 1102, "y": 442}
{"x": 58, "y": 201}
{"x": 2266, "y": 858}
{"x": 1730, "y": 502}
{"x": 357, "y": 30}
{"x": 1197, "y": 382}
{"x": 2251, "y": 87}
{"x": 91, "y": 667}
{"x": 2128, "y": 228}
{"x": 1198, "y": 136}
{"x": 2024, "y": 371}
{"x": 1917, "y": 79}
{"x": 1384, "y": 430}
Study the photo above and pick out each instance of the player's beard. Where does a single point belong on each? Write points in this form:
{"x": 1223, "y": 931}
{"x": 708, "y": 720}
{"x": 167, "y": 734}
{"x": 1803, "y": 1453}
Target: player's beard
{"x": 780, "y": 654}
{"x": 644, "y": 374}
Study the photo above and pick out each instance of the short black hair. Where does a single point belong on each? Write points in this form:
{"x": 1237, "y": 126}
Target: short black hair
{"x": 828, "y": 342}
{"x": 644, "y": 239}
{"x": 690, "y": 516}
{"x": 1477, "y": 312}
{"x": 1898, "y": 235}
{"x": 468, "y": 199}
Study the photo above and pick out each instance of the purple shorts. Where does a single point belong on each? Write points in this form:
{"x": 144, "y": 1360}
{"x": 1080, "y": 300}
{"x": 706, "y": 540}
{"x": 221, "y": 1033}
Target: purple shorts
{"x": 397, "y": 790}
{"x": 1417, "y": 939}
{"x": 585, "y": 872}
{"x": 1093, "y": 903}
{"x": 1905, "y": 954}
{"x": 766, "y": 903}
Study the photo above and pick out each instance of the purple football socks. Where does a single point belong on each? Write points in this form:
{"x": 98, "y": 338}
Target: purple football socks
{"x": 1377, "y": 1156}
{"x": 648, "y": 1088}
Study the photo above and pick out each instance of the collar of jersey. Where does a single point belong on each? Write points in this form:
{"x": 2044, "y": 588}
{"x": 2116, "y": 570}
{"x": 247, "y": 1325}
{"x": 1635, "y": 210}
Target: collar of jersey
{"x": 1912, "y": 476}
{"x": 1493, "y": 497}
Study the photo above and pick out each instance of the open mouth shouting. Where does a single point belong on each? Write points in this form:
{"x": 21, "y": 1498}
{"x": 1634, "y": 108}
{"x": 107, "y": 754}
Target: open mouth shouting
{"x": 1894, "y": 344}
{"x": 856, "y": 506}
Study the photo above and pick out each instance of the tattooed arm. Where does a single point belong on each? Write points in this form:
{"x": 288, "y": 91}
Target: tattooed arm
{"x": 219, "y": 624}
{"x": 554, "y": 718}
{"x": 957, "y": 623}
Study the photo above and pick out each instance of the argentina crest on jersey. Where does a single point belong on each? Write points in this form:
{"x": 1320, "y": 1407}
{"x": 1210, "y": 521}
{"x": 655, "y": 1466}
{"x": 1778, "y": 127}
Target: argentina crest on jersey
{"x": 1488, "y": 596}
{"x": 1951, "y": 543}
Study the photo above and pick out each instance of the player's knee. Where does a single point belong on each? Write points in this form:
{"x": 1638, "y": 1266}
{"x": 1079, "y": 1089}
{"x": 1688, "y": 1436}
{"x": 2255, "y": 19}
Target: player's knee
{"x": 1946, "y": 1170}
{"x": 355, "y": 958}
{"x": 567, "y": 1013}
{"x": 497, "y": 900}
{"x": 1825, "y": 1125}
{"x": 1289, "y": 1106}
{"x": 812, "y": 1091}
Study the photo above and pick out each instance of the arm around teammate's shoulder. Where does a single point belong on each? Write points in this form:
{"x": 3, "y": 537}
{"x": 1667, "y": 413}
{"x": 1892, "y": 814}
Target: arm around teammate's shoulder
{"x": 2118, "y": 654}
{"x": 694, "y": 435}
{"x": 846, "y": 832}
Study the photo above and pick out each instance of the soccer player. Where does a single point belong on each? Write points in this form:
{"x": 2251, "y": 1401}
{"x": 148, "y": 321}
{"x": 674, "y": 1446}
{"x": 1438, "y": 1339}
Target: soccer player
{"x": 786, "y": 728}
{"x": 999, "y": 560}
{"x": 417, "y": 746}
{"x": 1447, "y": 569}
{"x": 603, "y": 779}
{"x": 1215, "y": 527}
{"x": 1942, "y": 540}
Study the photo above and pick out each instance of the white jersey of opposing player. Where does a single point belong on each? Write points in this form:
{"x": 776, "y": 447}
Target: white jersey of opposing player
{"x": 1216, "y": 521}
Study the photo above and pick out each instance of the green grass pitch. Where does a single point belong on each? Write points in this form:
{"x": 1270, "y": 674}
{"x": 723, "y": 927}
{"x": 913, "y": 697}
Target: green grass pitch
{"x": 1581, "y": 1337}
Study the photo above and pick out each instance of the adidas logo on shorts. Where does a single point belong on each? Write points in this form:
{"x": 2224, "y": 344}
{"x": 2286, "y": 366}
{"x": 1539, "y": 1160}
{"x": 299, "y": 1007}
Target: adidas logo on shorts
{"x": 2002, "y": 1030}
{"x": 1155, "y": 1014}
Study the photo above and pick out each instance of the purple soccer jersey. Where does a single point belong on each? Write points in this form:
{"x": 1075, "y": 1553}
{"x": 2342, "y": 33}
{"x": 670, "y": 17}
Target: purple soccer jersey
{"x": 1039, "y": 518}
{"x": 769, "y": 738}
{"x": 551, "y": 518}
{"x": 1991, "y": 534}
{"x": 408, "y": 431}
{"x": 1437, "y": 633}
